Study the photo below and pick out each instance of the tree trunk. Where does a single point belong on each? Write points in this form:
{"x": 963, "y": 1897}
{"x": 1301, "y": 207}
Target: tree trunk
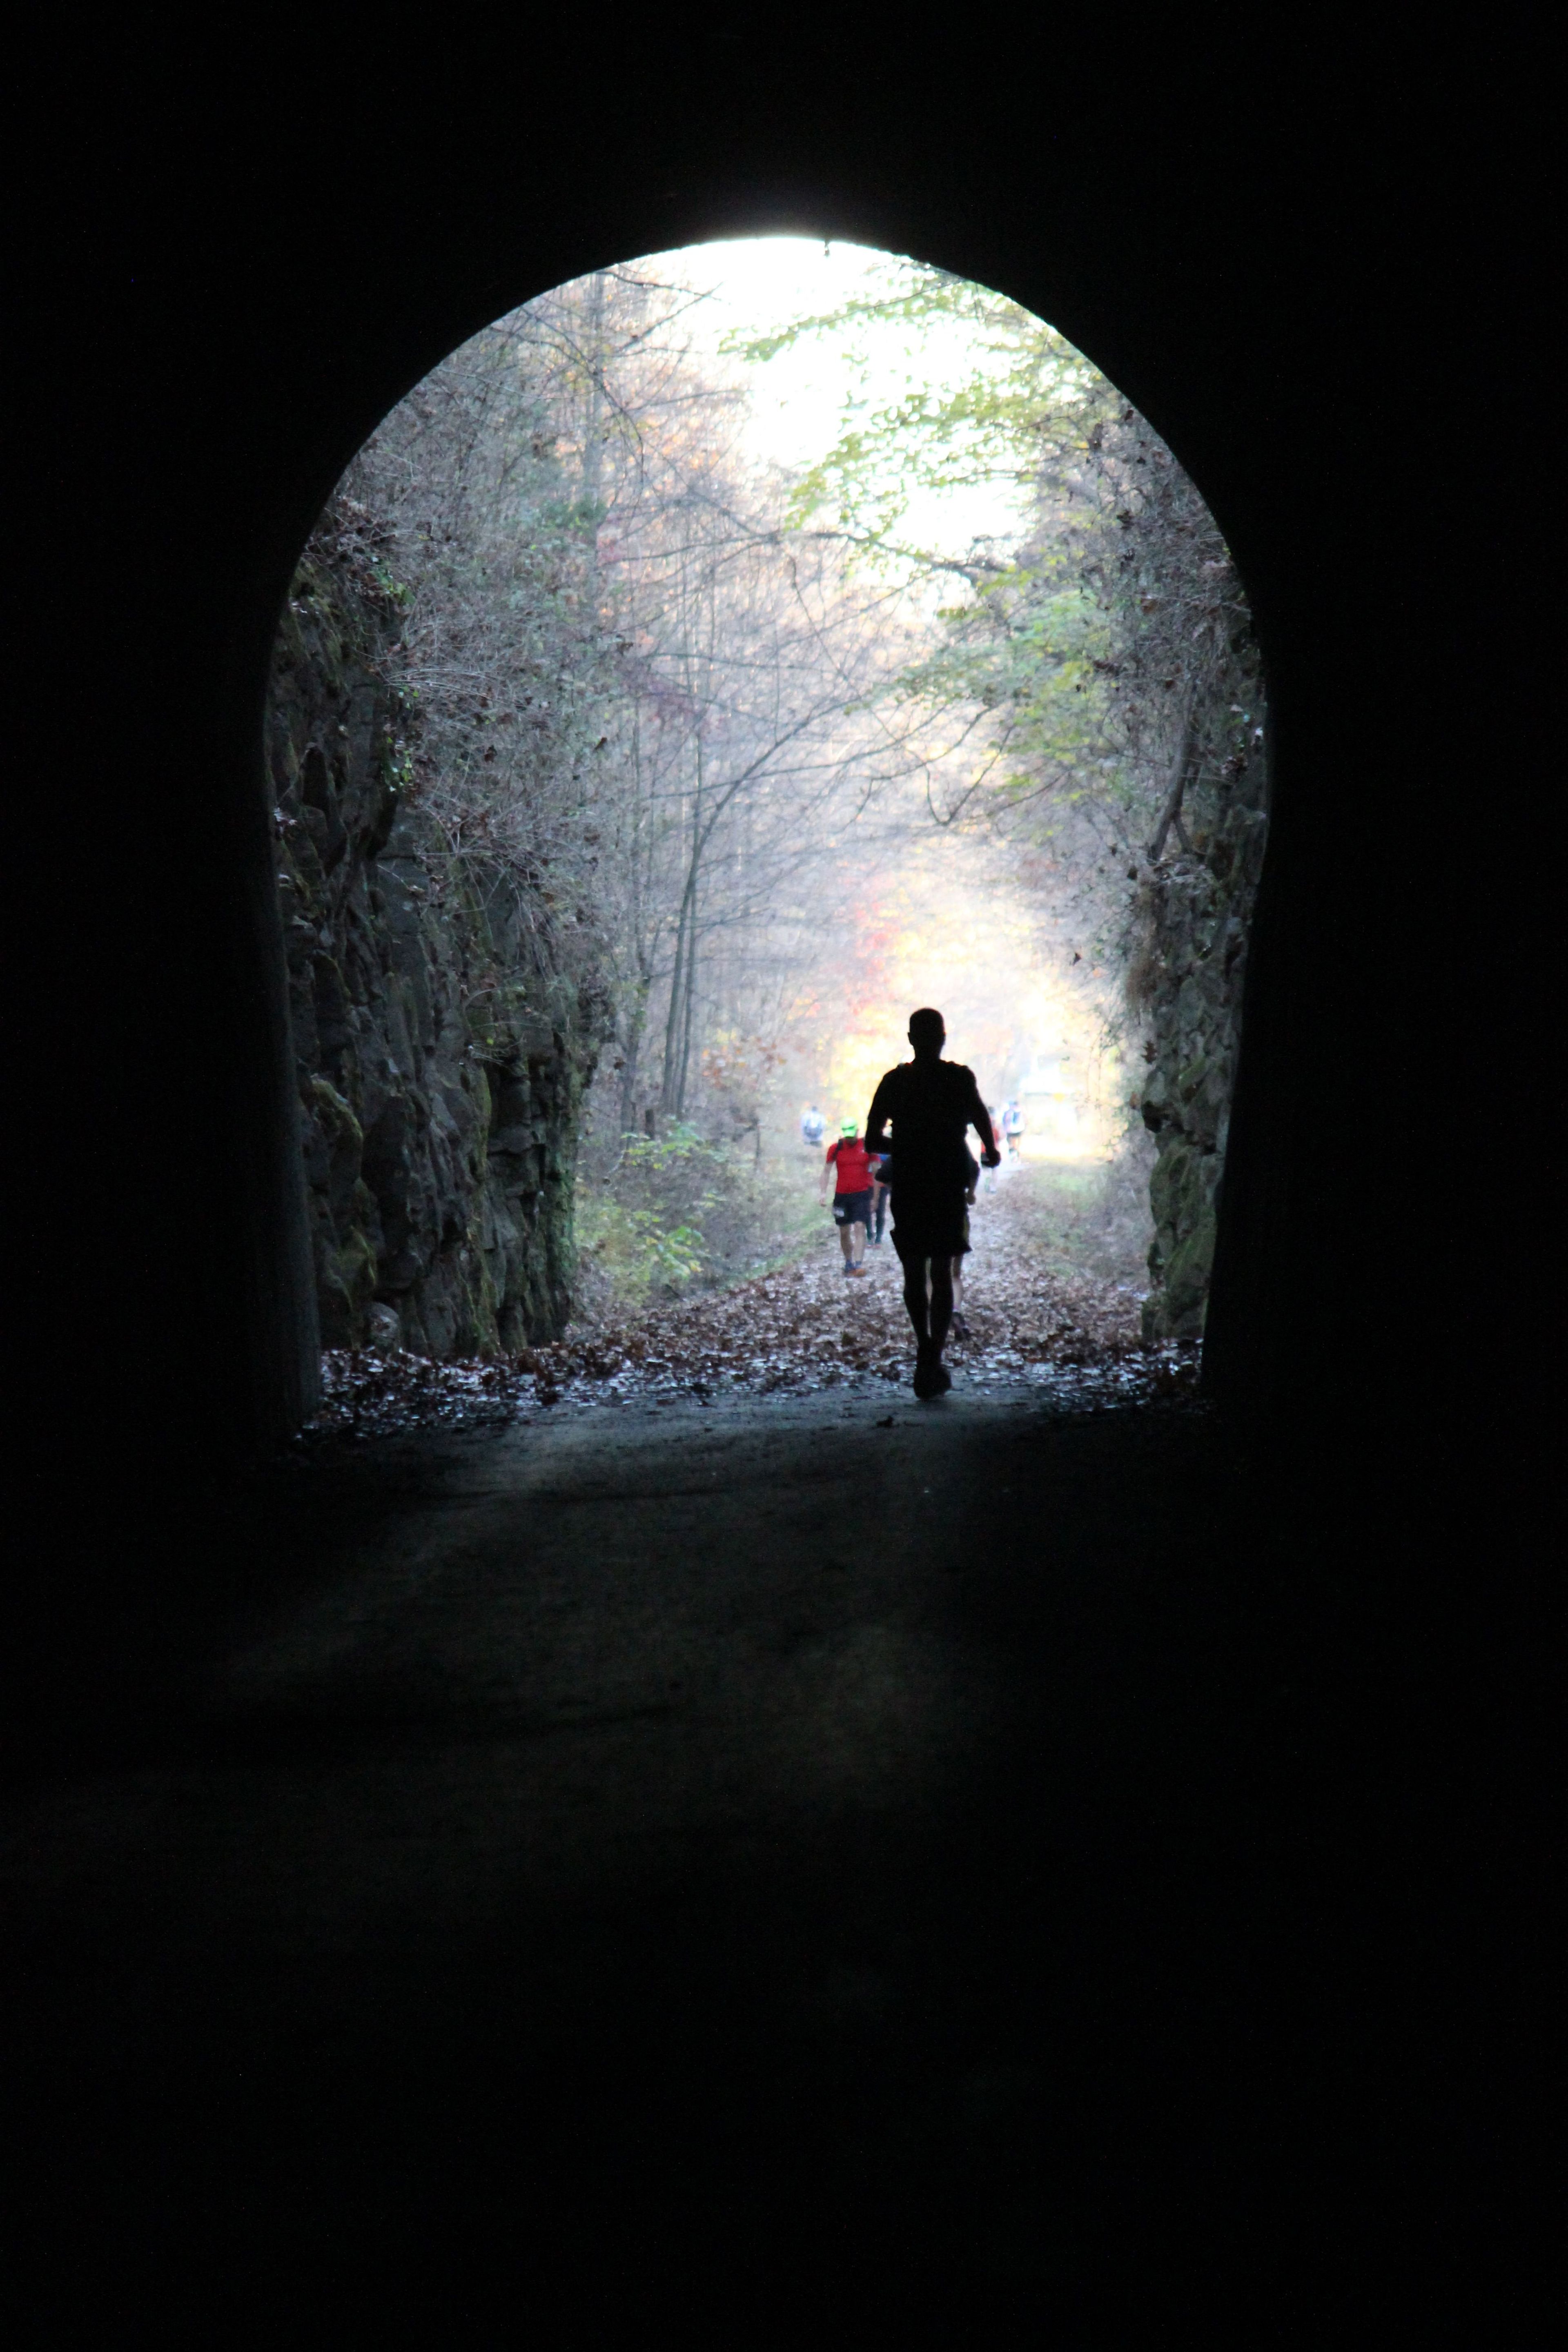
{"x": 1171, "y": 813}
{"x": 686, "y": 1023}
{"x": 593, "y": 436}
{"x": 676, "y": 1006}
{"x": 637, "y": 1023}
{"x": 677, "y": 1021}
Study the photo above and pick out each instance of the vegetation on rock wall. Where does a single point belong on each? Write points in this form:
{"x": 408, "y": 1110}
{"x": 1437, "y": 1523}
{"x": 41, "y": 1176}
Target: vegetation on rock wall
{"x": 1188, "y": 934}
{"x": 584, "y": 730}
{"x": 1101, "y": 686}
{"x": 1187, "y": 978}
{"x": 442, "y": 1046}
{"x": 1188, "y": 678}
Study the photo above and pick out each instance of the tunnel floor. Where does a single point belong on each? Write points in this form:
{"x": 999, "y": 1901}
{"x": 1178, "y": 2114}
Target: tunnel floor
{"x": 676, "y": 1859}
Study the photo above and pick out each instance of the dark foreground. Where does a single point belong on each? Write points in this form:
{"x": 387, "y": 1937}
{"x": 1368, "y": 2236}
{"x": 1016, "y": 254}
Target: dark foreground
{"x": 816, "y": 1871}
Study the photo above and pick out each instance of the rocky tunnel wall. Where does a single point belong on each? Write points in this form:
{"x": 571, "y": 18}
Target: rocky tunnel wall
{"x": 1193, "y": 928}
{"x": 440, "y": 1053}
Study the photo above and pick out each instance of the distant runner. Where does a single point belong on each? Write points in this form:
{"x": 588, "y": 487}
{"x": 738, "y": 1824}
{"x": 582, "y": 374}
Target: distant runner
{"x": 813, "y": 1128}
{"x": 1013, "y": 1128}
{"x": 932, "y": 1105}
{"x": 878, "y": 1199}
{"x": 851, "y": 1164}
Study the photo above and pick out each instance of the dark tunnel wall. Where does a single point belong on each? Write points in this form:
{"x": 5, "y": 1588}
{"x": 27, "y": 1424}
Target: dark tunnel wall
{"x": 233, "y": 271}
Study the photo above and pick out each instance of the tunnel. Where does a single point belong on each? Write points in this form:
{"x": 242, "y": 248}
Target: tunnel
{"x": 1181, "y": 2000}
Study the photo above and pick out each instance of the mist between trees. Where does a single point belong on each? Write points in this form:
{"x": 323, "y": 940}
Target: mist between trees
{"x": 681, "y": 709}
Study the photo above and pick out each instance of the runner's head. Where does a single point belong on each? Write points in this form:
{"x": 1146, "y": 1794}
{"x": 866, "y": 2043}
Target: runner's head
{"x": 927, "y": 1033}
{"x": 848, "y": 1128}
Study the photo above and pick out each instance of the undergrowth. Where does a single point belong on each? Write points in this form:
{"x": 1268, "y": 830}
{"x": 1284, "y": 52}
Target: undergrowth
{"x": 662, "y": 1217}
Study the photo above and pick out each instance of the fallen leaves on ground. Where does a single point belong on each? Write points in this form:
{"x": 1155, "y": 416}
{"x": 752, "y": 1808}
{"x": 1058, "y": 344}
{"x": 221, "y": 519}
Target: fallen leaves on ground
{"x": 796, "y": 1331}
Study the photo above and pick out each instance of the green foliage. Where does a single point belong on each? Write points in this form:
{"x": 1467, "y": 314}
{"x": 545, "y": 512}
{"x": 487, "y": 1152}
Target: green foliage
{"x": 1026, "y": 400}
{"x": 633, "y": 1253}
{"x": 1017, "y": 687}
{"x": 396, "y": 594}
{"x": 1073, "y": 664}
{"x": 1023, "y": 658}
{"x": 677, "y": 1212}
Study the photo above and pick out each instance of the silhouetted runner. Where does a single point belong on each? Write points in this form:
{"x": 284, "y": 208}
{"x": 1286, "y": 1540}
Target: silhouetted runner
{"x": 878, "y": 1200}
{"x": 932, "y": 1105}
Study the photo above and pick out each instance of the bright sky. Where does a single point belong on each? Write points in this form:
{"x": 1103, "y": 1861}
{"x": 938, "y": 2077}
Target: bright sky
{"x": 798, "y": 398}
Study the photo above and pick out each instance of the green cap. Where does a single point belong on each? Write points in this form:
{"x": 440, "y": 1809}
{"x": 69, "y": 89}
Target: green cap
{"x": 848, "y": 1126}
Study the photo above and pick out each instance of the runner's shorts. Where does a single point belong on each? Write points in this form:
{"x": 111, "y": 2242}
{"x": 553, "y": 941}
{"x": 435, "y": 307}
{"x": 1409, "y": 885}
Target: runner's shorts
{"x": 924, "y": 1227}
{"x": 852, "y": 1209}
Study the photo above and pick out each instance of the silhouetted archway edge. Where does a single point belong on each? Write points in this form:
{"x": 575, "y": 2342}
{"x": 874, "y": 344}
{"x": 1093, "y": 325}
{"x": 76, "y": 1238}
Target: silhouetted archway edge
{"x": 431, "y": 339}
{"x": 277, "y": 287}
{"x": 227, "y": 272}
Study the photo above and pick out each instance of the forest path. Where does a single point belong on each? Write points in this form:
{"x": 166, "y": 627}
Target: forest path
{"x": 655, "y": 1845}
{"x": 1053, "y": 1288}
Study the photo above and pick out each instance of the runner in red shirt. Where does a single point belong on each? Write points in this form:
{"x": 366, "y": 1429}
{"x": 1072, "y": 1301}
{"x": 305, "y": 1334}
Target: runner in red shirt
{"x": 852, "y": 1165}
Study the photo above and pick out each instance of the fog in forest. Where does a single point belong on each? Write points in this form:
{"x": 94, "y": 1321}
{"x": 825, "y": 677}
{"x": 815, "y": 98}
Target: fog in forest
{"x": 790, "y": 635}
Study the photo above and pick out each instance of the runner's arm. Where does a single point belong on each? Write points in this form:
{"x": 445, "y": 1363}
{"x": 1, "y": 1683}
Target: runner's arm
{"x": 822, "y": 1188}
{"x": 980, "y": 1120}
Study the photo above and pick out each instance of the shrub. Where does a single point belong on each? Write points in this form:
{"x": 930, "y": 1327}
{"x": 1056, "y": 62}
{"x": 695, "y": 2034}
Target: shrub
{"x": 677, "y": 1212}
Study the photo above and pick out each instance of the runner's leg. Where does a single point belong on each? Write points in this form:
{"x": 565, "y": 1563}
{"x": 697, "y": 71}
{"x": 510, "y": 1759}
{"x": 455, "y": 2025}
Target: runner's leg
{"x": 941, "y": 1308}
{"x": 959, "y": 1328}
{"x": 915, "y": 1297}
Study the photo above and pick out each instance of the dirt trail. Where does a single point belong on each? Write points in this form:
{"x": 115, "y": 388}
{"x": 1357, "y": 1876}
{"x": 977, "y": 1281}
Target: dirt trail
{"x": 1033, "y": 1321}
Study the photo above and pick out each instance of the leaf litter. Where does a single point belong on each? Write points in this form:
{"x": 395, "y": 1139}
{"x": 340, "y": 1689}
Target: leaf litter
{"x": 1029, "y": 1322}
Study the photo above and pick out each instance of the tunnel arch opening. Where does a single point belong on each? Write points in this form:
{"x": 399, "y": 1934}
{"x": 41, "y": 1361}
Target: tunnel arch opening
{"x": 444, "y": 1198}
